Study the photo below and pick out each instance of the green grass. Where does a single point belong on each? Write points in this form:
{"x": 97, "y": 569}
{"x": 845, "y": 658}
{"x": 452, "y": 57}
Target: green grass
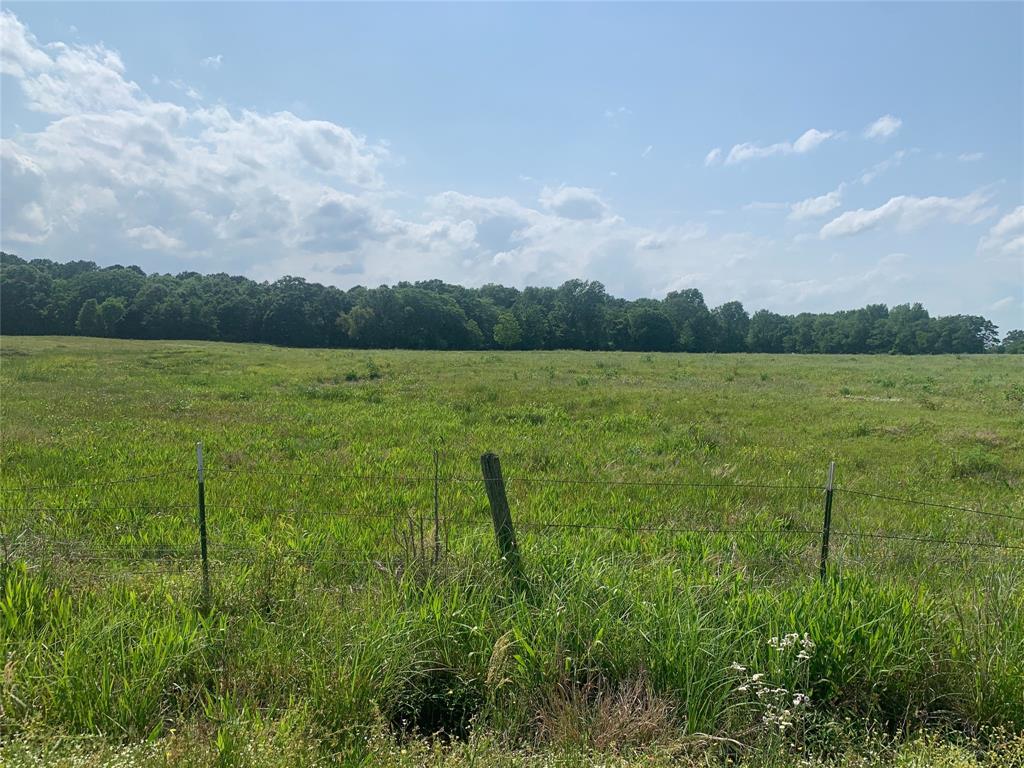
{"x": 332, "y": 633}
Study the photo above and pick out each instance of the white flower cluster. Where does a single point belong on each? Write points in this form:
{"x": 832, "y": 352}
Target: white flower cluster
{"x": 793, "y": 640}
{"x": 780, "y": 708}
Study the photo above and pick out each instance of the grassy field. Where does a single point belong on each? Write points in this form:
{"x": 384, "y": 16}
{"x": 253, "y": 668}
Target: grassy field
{"x": 668, "y": 510}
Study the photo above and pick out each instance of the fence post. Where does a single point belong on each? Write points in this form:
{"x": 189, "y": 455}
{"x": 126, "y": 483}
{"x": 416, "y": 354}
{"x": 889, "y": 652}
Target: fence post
{"x": 202, "y": 526}
{"x": 502, "y": 517}
{"x": 827, "y": 527}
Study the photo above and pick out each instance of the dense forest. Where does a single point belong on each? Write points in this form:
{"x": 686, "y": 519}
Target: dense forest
{"x": 78, "y": 297}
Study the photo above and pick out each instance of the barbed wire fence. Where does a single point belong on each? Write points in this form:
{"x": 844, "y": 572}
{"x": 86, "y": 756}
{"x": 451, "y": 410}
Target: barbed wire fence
{"x": 421, "y": 529}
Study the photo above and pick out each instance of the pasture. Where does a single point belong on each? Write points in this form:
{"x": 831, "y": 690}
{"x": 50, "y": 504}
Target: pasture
{"x": 668, "y": 509}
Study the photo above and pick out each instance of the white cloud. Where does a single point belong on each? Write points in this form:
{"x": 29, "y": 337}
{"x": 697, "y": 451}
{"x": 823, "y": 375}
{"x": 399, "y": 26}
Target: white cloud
{"x": 1006, "y": 238}
{"x": 74, "y": 79}
{"x": 970, "y": 157}
{"x": 646, "y": 152}
{"x": 153, "y": 238}
{"x": 879, "y": 168}
{"x": 811, "y": 140}
{"x": 672, "y": 237}
{"x": 807, "y": 141}
{"x": 22, "y": 216}
{"x": 870, "y": 285}
{"x": 573, "y": 202}
{"x": 114, "y": 173}
{"x": 117, "y": 166}
{"x": 908, "y": 212}
{"x": 883, "y": 128}
{"x": 713, "y": 157}
{"x": 187, "y": 89}
{"x": 212, "y": 62}
{"x": 1003, "y": 303}
{"x": 813, "y": 207}
{"x": 1011, "y": 222}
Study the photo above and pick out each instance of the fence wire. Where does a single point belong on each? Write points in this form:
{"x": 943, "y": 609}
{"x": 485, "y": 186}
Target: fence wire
{"x": 412, "y": 524}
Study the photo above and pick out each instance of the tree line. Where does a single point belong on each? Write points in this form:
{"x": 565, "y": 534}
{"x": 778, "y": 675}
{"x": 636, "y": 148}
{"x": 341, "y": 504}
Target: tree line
{"x": 78, "y": 297}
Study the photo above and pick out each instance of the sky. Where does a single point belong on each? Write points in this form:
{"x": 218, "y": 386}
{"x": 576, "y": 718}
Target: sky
{"x": 797, "y": 157}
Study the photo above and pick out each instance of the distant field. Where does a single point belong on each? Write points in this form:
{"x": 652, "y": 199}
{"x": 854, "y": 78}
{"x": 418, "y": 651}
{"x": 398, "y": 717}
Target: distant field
{"x": 668, "y": 509}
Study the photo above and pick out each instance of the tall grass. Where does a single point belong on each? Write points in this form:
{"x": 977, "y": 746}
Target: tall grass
{"x": 626, "y": 637}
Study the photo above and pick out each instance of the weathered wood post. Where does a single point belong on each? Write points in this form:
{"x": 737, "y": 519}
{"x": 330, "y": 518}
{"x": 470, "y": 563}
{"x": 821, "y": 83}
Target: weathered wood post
{"x": 504, "y": 531}
{"x": 202, "y": 526}
{"x": 827, "y": 526}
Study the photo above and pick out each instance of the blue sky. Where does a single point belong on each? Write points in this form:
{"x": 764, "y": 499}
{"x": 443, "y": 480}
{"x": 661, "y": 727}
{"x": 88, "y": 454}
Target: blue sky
{"x": 793, "y": 156}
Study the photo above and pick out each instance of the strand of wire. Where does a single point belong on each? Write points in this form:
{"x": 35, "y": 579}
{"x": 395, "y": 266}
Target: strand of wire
{"x": 781, "y": 531}
{"x": 109, "y": 508}
{"x": 666, "y": 529}
{"x": 525, "y": 479}
{"x": 923, "y": 503}
{"x": 96, "y": 484}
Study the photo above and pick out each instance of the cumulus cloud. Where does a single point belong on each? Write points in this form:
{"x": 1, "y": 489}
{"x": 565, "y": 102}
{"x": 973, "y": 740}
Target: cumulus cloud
{"x": 908, "y": 212}
{"x": 153, "y": 238}
{"x": 672, "y": 237}
{"x": 1006, "y": 238}
{"x": 115, "y": 173}
{"x": 21, "y": 213}
{"x": 713, "y": 157}
{"x": 883, "y": 128}
{"x": 814, "y": 207}
{"x": 1009, "y": 223}
{"x": 117, "y": 164}
{"x": 276, "y": 193}
{"x": 63, "y": 79}
{"x": 868, "y": 285}
{"x": 573, "y": 202}
{"x": 806, "y": 142}
{"x": 212, "y": 62}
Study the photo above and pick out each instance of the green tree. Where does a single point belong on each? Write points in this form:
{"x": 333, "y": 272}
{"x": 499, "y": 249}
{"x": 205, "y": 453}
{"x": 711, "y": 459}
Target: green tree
{"x": 1013, "y": 343}
{"x": 507, "y": 331}
{"x": 27, "y": 295}
{"x": 44, "y": 296}
{"x": 733, "y": 326}
{"x": 767, "y": 332}
{"x": 650, "y": 330}
{"x": 691, "y": 319}
{"x": 89, "y": 322}
{"x": 111, "y": 312}
{"x": 579, "y": 314}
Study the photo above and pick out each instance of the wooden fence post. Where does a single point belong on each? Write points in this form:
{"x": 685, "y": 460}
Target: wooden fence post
{"x": 504, "y": 532}
{"x": 827, "y": 526}
{"x": 202, "y": 526}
